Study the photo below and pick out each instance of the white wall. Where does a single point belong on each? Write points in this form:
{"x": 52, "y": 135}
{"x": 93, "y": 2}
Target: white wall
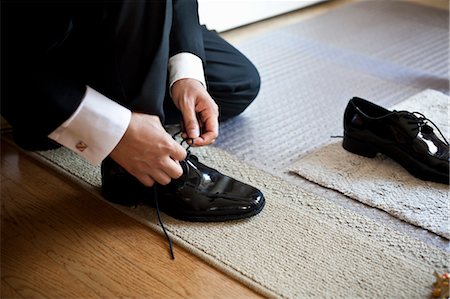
{"x": 227, "y": 14}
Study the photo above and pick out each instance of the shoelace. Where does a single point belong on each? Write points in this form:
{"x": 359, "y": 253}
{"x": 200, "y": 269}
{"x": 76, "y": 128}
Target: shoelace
{"x": 158, "y": 212}
{"x": 155, "y": 193}
{"x": 421, "y": 120}
{"x": 184, "y": 140}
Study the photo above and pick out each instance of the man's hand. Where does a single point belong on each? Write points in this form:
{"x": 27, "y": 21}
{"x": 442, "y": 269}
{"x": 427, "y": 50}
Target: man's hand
{"x": 200, "y": 112}
{"x": 148, "y": 152}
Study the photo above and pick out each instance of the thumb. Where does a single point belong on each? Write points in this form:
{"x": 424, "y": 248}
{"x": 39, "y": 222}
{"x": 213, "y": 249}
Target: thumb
{"x": 191, "y": 123}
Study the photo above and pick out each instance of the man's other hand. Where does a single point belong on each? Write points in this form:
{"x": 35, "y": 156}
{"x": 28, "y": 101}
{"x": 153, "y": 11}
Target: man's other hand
{"x": 200, "y": 112}
{"x": 148, "y": 152}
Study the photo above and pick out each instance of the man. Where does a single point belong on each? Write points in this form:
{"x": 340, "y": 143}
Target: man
{"x": 103, "y": 78}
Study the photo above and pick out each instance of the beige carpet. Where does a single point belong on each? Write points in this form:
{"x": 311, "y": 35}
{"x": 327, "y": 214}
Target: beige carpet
{"x": 381, "y": 182}
{"x": 300, "y": 246}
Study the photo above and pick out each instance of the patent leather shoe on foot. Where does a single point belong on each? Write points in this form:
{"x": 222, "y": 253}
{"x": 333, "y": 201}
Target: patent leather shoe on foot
{"x": 201, "y": 194}
{"x": 406, "y": 137}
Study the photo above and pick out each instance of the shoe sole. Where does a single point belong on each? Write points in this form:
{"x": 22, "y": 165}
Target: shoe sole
{"x": 368, "y": 150}
{"x": 218, "y": 218}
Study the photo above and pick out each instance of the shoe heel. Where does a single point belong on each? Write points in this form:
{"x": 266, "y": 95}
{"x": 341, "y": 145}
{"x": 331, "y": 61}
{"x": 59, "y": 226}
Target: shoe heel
{"x": 358, "y": 147}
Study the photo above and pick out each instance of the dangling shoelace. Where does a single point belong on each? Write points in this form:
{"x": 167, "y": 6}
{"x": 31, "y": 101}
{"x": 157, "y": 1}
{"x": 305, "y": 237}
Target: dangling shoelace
{"x": 158, "y": 213}
{"x": 155, "y": 193}
{"x": 422, "y": 121}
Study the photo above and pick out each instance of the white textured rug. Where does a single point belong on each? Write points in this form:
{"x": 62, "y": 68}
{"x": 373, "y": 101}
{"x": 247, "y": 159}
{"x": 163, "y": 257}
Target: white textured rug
{"x": 299, "y": 246}
{"x": 381, "y": 182}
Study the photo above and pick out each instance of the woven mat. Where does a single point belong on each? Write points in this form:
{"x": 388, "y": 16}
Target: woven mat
{"x": 300, "y": 245}
{"x": 381, "y": 182}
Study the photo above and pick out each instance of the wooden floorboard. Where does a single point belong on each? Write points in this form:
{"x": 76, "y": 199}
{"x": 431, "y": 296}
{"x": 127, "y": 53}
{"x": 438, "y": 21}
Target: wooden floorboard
{"x": 59, "y": 241}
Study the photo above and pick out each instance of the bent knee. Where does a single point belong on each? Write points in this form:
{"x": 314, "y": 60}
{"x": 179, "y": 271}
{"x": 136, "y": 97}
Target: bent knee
{"x": 254, "y": 84}
{"x": 240, "y": 95}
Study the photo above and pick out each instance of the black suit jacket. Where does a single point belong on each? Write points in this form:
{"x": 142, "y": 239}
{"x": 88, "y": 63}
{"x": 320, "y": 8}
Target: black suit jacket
{"x": 52, "y": 50}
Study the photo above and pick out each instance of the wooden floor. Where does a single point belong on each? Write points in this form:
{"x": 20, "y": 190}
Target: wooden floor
{"x": 58, "y": 241}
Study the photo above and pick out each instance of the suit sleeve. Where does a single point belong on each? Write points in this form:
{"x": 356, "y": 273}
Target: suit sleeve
{"x": 186, "y": 34}
{"x": 39, "y": 88}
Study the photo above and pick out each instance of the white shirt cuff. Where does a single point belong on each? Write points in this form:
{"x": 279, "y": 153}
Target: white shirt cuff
{"x": 186, "y": 65}
{"x": 95, "y": 128}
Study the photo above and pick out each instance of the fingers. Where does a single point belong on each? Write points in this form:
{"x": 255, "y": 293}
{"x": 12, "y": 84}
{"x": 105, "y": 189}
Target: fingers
{"x": 168, "y": 168}
{"x": 211, "y": 131}
{"x": 148, "y": 152}
{"x": 160, "y": 176}
{"x": 177, "y": 152}
{"x": 205, "y": 122}
{"x": 146, "y": 180}
{"x": 157, "y": 177}
{"x": 205, "y": 139}
{"x": 173, "y": 169}
{"x": 209, "y": 123}
{"x": 200, "y": 112}
{"x": 163, "y": 174}
{"x": 190, "y": 121}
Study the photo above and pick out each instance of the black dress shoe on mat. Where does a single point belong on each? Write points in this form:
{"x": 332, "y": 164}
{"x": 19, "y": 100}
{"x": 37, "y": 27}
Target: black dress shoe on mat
{"x": 404, "y": 136}
{"x": 201, "y": 194}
